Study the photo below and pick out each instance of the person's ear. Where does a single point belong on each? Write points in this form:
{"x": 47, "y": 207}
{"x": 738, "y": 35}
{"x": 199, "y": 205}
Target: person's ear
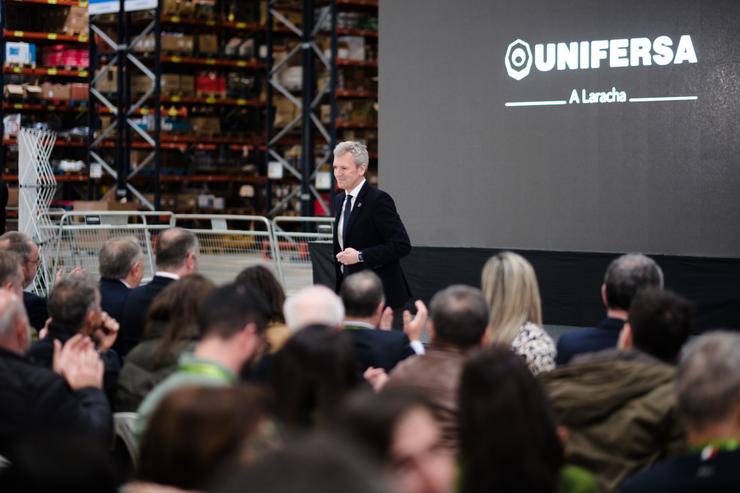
{"x": 625, "y": 337}
{"x": 603, "y": 295}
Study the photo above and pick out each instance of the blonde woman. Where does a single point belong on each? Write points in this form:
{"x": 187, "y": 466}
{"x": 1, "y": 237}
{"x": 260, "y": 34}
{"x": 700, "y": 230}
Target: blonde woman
{"x": 510, "y": 287}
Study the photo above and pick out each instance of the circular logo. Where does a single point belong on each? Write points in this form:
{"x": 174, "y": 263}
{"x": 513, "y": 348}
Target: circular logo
{"x": 518, "y": 59}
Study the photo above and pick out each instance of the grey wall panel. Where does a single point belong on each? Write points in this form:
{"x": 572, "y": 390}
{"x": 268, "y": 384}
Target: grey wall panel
{"x": 658, "y": 177}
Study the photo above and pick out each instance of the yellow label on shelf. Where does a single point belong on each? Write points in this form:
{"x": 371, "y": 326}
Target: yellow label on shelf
{"x": 52, "y": 71}
{"x": 241, "y": 102}
{"x": 210, "y": 22}
{"x": 210, "y": 61}
{"x": 83, "y": 38}
{"x": 175, "y": 99}
{"x": 241, "y": 63}
{"x": 83, "y": 73}
{"x": 17, "y": 70}
{"x": 51, "y": 107}
{"x": 172, "y": 112}
{"x": 52, "y": 2}
{"x": 18, "y": 106}
{"x": 19, "y": 34}
{"x": 210, "y": 100}
{"x": 144, "y": 111}
{"x": 241, "y": 25}
{"x": 175, "y": 18}
{"x": 52, "y": 36}
{"x": 83, "y": 3}
{"x": 176, "y": 59}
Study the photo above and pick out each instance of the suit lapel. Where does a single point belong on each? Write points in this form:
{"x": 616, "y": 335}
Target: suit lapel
{"x": 357, "y": 207}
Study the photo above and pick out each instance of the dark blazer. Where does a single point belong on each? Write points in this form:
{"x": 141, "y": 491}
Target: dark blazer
{"x": 41, "y": 353}
{"x": 35, "y": 399}
{"x": 378, "y": 348}
{"x": 134, "y": 314}
{"x": 113, "y": 294}
{"x": 603, "y": 336}
{"x": 36, "y": 309}
{"x": 376, "y": 230}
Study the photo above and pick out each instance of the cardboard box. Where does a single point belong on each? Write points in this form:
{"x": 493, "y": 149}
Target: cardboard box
{"x": 108, "y": 82}
{"x": 187, "y": 85}
{"x": 78, "y": 91}
{"x": 52, "y": 91}
{"x": 32, "y": 91}
{"x": 206, "y": 125}
{"x": 13, "y": 91}
{"x": 170, "y": 83}
{"x": 12, "y": 196}
{"x": 351, "y": 47}
{"x": 207, "y": 44}
{"x": 170, "y": 42}
{"x": 76, "y": 21}
{"x": 186, "y": 43}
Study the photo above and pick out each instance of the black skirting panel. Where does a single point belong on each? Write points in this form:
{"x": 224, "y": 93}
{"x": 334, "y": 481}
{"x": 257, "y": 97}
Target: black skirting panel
{"x": 569, "y": 281}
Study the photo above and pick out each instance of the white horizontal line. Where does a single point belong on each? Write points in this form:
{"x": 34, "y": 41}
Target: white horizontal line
{"x": 669, "y": 98}
{"x": 535, "y": 103}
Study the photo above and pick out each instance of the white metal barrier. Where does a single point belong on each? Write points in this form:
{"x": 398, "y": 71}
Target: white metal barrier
{"x": 80, "y": 235}
{"x": 229, "y": 243}
{"x": 292, "y": 235}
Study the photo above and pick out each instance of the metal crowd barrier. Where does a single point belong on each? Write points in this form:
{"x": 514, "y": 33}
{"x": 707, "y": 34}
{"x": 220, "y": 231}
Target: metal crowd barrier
{"x": 292, "y": 235}
{"x": 229, "y": 243}
{"x": 80, "y": 235}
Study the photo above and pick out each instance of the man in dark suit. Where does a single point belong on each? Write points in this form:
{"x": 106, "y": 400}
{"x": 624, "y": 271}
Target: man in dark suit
{"x": 369, "y": 233}
{"x": 30, "y": 259}
{"x": 364, "y": 302}
{"x": 121, "y": 265}
{"x": 176, "y": 256}
{"x": 624, "y": 277}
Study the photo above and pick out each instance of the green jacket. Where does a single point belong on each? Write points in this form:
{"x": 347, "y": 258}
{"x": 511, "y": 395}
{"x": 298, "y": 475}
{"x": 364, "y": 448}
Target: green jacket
{"x": 620, "y": 411}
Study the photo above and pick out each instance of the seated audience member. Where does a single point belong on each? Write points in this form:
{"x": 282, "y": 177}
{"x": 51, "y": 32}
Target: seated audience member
{"x": 315, "y": 464}
{"x": 61, "y": 460}
{"x": 398, "y": 429}
{"x": 262, "y": 280}
{"x": 194, "y": 432}
{"x": 363, "y": 299}
{"x": 619, "y": 406}
{"x": 624, "y": 277}
{"x": 232, "y": 321}
{"x": 708, "y": 385}
{"x": 508, "y": 440}
{"x": 314, "y": 305}
{"x": 510, "y": 287}
{"x": 30, "y": 260}
{"x": 176, "y": 256}
{"x": 171, "y": 330}
{"x": 74, "y": 308}
{"x": 459, "y": 316}
{"x": 39, "y": 400}
{"x": 11, "y": 275}
{"x": 310, "y": 375}
{"x": 121, "y": 265}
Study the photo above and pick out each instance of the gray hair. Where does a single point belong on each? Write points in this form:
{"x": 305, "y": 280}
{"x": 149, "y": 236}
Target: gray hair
{"x": 357, "y": 149}
{"x": 708, "y": 379}
{"x": 314, "y": 305}
{"x": 361, "y": 293}
{"x": 173, "y": 247}
{"x": 118, "y": 256}
{"x": 10, "y": 269}
{"x": 11, "y": 311}
{"x": 626, "y": 275}
{"x": 72, "y": 298}
{"x": 19, "y": 243}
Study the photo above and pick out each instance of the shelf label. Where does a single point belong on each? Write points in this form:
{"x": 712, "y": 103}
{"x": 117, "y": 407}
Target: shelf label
{"x": 52, "y": 36}
{"x": 51, "y": 71}
{"x": 144, "y": 111}
{"x": 18, "y": 34}
{"x": 241, "y": 25}
{"x": 175, "y": 18}
{"x": 82, "y": 38}
{"x": 211, "y": 100}
{"x": 52, "y": 2}
{"x": 17, "y": 70}
{"x": 83, "y": 3}
{"x": 210, "y": 22}
{"x": 176, "y": 59}
{"x": 241, "y": 102}
{"x": 210, "y": 61}
{"x": 17, "y": 106}
{"x": 83, "y": 73}
{"x": 241, "y": 63}
{"x": 175, "y": 99}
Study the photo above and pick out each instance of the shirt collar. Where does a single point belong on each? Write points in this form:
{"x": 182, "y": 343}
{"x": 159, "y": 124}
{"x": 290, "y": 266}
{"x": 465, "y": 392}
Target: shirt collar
{"x": 170, "y": 275}
{"x": 189, "y": 363}
{"x": 355, "y": 191}
{"x": 125, "y": 283}
{"x": 356, "y": 324}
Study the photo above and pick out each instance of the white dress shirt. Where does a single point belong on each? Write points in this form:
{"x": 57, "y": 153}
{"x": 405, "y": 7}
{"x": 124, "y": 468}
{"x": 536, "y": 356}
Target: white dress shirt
{"x": 340, "y": 227}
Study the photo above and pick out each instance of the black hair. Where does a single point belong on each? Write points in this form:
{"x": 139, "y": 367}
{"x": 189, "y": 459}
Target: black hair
{"x": 661, "y": 322}
{"x": 361, "y": 294}
{"x": 227, "y": 309}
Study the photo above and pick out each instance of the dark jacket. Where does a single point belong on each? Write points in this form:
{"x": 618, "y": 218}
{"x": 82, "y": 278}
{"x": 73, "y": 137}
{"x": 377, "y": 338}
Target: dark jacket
{"x": 41, "y": 353}
{"x": 36, "y": 309}
{"x": 689, "y": 474}
{"x": 620, "y": 410}
{"x": 35, "y": 399}
{"x": 141, "y": 373}
{"x": 376, "y": 230}
{"x": 436, "y": 374}
{"x": 590, "y": 340}
{"x": 378, "y": 348}
{"x": 134, "y": 313}
{"x": 113, "y": 294}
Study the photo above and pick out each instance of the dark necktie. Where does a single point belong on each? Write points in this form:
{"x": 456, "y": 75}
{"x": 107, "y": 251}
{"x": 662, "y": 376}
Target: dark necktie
{"x": 345, "y": 219}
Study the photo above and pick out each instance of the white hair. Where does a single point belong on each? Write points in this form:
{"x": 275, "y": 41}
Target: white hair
{"x": 11, "y": 312}
{"x": 313, "y": 305}
{"x": 357, "y": 149}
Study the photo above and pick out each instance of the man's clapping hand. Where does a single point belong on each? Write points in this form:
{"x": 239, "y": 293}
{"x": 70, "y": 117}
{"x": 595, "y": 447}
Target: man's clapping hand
{"x": 78, "y": 362}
